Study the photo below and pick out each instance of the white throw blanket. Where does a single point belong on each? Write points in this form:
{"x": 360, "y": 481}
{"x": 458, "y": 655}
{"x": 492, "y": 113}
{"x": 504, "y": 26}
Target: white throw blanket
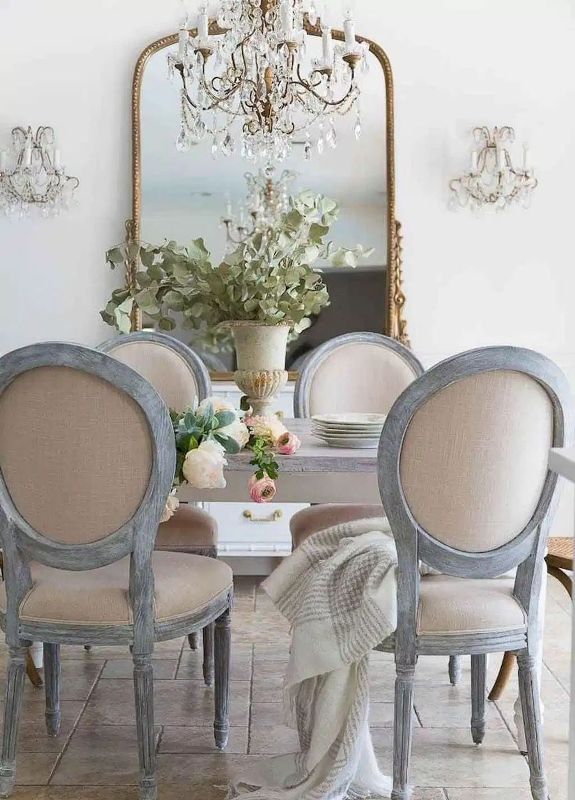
{"x": 338, "y": 590}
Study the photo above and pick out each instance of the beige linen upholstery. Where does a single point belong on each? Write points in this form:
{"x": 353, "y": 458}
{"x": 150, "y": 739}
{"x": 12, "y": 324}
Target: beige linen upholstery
{"x": 75, "y": 453}
{"x": 449, "y": 605}
{"x": 468, "y": 450}
{"x": 184, "y": 583}
{"x": 189, "y": 527}
{"x": 359, "y": 377}
{"x": 318, "y": 518}
{"x": 165, "y": 369}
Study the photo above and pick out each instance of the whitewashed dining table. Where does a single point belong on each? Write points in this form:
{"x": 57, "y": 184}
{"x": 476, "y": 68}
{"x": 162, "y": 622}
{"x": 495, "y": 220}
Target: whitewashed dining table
{"x": 316, "y": 473}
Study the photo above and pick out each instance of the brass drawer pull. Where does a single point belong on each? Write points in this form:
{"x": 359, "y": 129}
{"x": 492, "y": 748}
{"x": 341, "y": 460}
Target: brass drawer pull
{"x": 273, "y": 517}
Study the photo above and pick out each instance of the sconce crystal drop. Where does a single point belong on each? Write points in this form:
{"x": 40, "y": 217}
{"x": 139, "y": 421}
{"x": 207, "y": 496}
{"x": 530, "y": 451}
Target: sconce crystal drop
{"x": 492, "y": 179}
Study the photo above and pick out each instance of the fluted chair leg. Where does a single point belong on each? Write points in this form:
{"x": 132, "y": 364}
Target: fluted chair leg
{"x": 529, "y": 694}
{"x": 478, "y": 684}
{"x": 402, "y": 730}
{"x": 52, "y": 687}
{"x": 12, "y": 709}
{"x": 454, "y": 670}
{"x": 222, "y": 643}
{"x": 208, "y": 663}
{"x": 144, "y": 696}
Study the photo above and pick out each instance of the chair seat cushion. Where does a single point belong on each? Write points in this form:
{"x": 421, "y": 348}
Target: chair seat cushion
{"x": 184, "y": 584}
{"x": 189, "y": 528}
{"x": 449, "y": 605}
{"x": 318, "y": 518}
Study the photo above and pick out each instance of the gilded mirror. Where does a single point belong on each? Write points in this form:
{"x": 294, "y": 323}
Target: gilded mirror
{"x": 184, "y": 195}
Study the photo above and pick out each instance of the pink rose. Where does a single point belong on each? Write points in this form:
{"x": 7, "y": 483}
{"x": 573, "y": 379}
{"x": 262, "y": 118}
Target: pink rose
{"x": 287, "y": 444}
{"x": 262, "y": 490}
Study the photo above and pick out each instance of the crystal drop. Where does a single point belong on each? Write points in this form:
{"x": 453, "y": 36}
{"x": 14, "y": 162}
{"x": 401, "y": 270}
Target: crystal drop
{"x": 357, "y": 128}
{"x": 312, "y": 15}
{"x": 320, "y": 145}
{"x": 182, "y": 143}
{"x": 214, "y": 147}
{"x": 331, "y": 136}
{"x": 228, "y": 145}
{"x": 307, "y": 150}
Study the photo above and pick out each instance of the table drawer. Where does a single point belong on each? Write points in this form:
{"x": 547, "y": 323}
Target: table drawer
{"x": 254, "y": 528}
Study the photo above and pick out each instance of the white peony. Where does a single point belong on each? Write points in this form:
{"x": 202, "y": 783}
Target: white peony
{"x": 268, "y": 427}
{"x": 217, "y": 403}
{"x": 204, "y": 467}
{"x": 238, "y": 431}
{"x": 172, "y": 505}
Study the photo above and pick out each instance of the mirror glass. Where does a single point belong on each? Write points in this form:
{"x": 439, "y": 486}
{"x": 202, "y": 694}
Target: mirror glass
{"x": 186, "y": 195}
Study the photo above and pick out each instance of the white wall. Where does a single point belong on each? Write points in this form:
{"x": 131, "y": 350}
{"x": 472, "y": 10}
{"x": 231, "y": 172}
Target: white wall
{"x": 502, "y": 279}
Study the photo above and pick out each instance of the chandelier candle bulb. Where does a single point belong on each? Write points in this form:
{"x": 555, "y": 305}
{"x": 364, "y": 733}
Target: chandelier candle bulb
{"x": 57, "y": 159}
{"x": 525, "y": 156}
{"x": 474, "y": 161}
{"x": 349, "y": 29}
{"x": 3, "y": 160}
{"x": 327, "y": 45}
{"x": 203, "y": 23}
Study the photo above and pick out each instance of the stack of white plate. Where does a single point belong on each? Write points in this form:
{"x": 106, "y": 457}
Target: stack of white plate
{"x": 349, "y": 429}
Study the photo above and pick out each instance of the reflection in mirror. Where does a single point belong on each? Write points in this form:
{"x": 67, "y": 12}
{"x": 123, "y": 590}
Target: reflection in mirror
{"x": 196, "y": 193}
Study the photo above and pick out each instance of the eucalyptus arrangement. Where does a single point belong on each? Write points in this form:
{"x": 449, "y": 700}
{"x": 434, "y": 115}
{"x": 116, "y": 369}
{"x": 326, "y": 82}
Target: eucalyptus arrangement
{"x": 270, "y": 278}
{"x": 204, "y": 435}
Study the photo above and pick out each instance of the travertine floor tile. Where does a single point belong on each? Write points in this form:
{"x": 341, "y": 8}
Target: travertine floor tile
{"x": 176, "y": 703}
{"x": 200, "y": 740}
{"x": 448, "y": 757}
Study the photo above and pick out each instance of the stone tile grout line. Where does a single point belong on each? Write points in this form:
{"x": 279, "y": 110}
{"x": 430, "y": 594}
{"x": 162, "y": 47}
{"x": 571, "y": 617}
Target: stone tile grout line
{"x": 75, "y": 725}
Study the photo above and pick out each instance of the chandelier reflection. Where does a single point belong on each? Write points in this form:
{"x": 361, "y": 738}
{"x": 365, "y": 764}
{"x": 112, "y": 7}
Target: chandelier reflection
{"x": 492, "y": 179}
{"x": 267, "y": 199}
{"x": 32, "y": 175}
{"x": 247, "y": 84}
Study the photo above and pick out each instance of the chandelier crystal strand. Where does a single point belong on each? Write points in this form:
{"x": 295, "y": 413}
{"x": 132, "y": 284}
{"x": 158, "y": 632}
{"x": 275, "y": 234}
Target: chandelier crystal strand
{"x": 32, "y": 176}
{"x": 492, "y": 179}
{"x": 246, "y": 79}
{"x": 267, "y": 199}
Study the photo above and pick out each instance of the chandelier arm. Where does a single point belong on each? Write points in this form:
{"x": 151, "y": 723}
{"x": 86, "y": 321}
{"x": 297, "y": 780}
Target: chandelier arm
{"x": 301, "y": 81}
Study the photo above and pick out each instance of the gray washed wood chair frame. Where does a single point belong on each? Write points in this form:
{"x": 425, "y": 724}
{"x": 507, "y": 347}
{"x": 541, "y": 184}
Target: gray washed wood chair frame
{"x": 525, "y": 551}
{"x": 302, "y": 393}
{"x": 201, "y": 376}
{"x": 22, "y": 544}
{"x": 302, "y": 396}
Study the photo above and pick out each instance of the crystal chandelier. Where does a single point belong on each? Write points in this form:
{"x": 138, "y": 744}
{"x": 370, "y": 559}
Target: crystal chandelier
{"x": 32, "y": 175}
{"x": 245, "y": 79}
{"x": 492, "y": 179}
{"x": 267, "y": 200}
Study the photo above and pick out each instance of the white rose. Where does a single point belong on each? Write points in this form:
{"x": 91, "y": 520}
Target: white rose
{"x": 238, "y": 431}
{"x": 217, "y": 403}
{"x": 204, "y": 466}
{"x": 172, "y": 505}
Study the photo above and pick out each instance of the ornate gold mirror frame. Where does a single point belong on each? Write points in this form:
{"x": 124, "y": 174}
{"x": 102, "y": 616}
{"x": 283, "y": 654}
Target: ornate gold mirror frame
{"x": 395, "y": 324}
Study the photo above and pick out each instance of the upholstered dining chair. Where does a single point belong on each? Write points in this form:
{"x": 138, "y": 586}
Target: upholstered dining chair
{"x": 462, "y": 467}
{"x": 180, "y": 378}
{"x": 86, "y": 463}
{"x": 360, "y": 371}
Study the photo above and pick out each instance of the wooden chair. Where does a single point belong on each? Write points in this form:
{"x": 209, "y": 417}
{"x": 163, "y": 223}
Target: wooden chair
{"x": 87, "y": 460}
{"x": 180, "y": 378}
{"x": 464, "y": 480}
{"x": 354, "y": 372}
{"x": 559, "y": 561}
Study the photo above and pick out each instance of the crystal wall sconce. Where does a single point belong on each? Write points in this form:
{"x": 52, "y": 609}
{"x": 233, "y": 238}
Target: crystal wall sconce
{"x": 492, "y": 179}
{"x": 32, "y": 176}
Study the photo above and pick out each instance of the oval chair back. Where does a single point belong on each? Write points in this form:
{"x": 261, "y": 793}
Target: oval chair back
{"x": 175, "y": 371}
{"x": 363, "y": 372}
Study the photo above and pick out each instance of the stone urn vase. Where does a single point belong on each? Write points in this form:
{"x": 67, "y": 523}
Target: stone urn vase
{"x": 261, "y": 357}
